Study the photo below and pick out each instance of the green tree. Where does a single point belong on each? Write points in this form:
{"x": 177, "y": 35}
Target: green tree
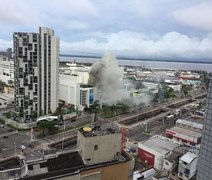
{"x": 52, "y": 127}
{"x": 165, "y": 92}
{"x": 59, "y": 109}
{"x": 33, "y": 115}
{"x": 43, "y": 125}
{"x": 169, "y": 93}
{"x": 49, "y": 111}
{"x": 185, "y": 89}
{"x": 8, "y": 114}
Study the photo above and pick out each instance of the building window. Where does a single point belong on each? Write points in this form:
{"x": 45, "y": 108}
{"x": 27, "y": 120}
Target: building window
{"x": 187, "y": 171}
{"x": 185, "y": 163}
{"x": 95, "y": 147}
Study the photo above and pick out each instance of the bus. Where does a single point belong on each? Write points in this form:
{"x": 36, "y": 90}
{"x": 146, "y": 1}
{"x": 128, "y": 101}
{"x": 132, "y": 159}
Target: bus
{"x": 200, "y": 113}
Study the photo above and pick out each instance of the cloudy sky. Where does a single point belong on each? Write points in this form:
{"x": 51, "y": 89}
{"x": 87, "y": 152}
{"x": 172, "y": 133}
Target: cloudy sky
{"x": 144, "y": 28}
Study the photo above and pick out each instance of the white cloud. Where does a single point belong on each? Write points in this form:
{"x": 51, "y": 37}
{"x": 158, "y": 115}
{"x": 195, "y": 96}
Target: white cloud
{"x": 71, "y": 7}
{"x": 39, "y": 12}
{"x": 72, "y": 24}
{"x": 198, "y": 16}
{"x": 14, "y": 12}
{"x": 169, "y": 45}
{"x": 5, "y": 44}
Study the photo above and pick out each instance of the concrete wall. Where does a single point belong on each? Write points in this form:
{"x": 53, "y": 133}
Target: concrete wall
{"x": 158, "y": 158}
{"x": 55, "y": 49}
{"x": 111, "y": 172}
{"x": 3, "y": 103}
{"x": 72, "y": 177}
{"x": 167, "y": 165}
{"x": 108, "y": 146}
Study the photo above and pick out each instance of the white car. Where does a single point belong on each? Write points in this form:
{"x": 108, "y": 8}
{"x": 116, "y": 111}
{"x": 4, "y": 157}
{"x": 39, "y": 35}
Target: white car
{"x": 22, "y": 147}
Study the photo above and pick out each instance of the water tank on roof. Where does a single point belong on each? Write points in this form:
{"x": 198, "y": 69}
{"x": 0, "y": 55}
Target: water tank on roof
{"x": 87, "y": 129}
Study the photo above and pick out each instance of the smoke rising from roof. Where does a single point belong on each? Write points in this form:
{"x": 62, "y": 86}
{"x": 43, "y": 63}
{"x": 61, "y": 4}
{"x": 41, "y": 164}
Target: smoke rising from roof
{"x": 108, "y": 77}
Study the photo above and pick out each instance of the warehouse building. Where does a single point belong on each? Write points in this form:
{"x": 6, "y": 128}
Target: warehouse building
{"x": 185, "y": 136}
{"x": 154, "y": 150}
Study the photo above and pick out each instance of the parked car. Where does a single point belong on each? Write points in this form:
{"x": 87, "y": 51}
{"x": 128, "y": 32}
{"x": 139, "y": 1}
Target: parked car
{"x": 31, "y": 145}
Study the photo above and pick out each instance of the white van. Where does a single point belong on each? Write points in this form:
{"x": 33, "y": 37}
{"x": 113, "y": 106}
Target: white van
{"x": 169, "y": 117}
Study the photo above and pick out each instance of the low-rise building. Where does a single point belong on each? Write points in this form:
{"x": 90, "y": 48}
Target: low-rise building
{"x": 173, "y": 83}
{"x": 92, "y": 150}
{"x": 187, "y": 166}
{"x": 154, "y": 150}
{"x": 9, "y": 89}
{"x": 193, "y": 126}
{"x": 3, "y": 103}
{"x": 7, "y": 70}
{"x": 171, "y": 161}
{"x": 99, "y": 157}
{"x": 13, "y": 168}
{"x": 6, "y": 99}
{"x": 185, "y": 136}
{"x": 75, "y": 90}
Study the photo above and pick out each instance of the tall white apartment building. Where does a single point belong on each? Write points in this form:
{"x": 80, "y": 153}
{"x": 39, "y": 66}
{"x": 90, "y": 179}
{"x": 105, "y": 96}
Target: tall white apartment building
{"x": 6, "y": 70}
{"x": 36, "y": 57}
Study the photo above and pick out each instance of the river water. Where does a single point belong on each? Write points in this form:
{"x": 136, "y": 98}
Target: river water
{"x": 148, "y": 64}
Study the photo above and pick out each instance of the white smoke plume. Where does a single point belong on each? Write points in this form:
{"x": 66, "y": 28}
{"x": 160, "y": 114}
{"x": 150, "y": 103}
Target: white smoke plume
{"x": 108, "y": 77}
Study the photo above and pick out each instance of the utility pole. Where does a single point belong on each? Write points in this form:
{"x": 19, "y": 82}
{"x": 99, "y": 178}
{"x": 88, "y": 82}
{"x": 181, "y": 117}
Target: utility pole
{"x": 31, "y": 133}
{"x": 64, "y": 128}
{"x": 145, "y": 126}
{"x": 15, "y": 148}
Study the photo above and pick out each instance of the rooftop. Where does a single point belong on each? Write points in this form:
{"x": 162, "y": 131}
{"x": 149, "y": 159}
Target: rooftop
{"x": 10, "y": 163}
{"x": 190, "y": 123}
{"x": 195, "y": 119}
{"x": 160, "y": 144}
{"x": 99, "y": 130}
{"x": 177, "y": 153}
{"x": 63, "y": 165}
{"x": 188, "y": 157}
{"x": 186, "y": 132}
{"x": 172, "y": 156}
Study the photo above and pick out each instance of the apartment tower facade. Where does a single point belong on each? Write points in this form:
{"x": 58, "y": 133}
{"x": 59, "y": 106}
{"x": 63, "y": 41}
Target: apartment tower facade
{"x": 205, "y": 156}
{"x": 36, "y": 59}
